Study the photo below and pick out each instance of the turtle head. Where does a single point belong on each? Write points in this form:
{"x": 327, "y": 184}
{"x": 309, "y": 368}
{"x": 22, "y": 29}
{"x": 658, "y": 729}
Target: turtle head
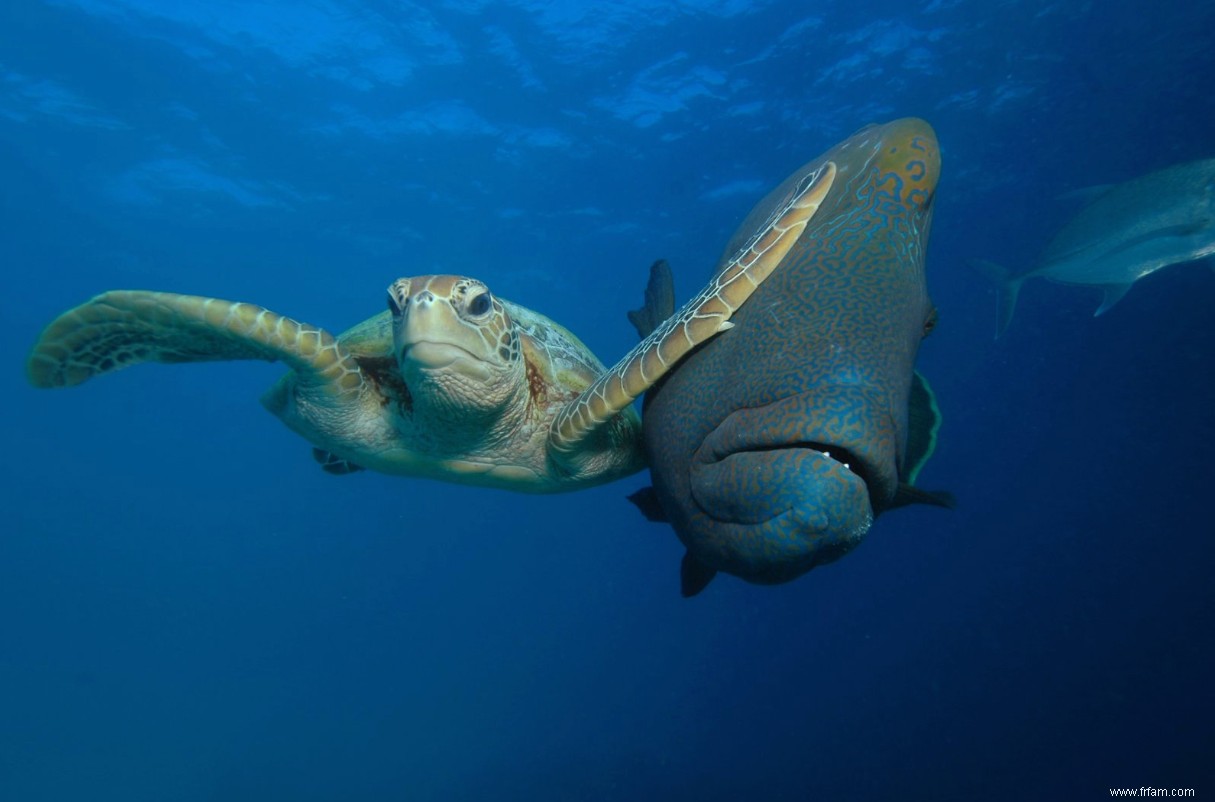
{"x": 456, "y": 345}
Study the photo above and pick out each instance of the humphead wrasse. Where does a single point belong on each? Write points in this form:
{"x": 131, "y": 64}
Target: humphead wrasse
{"x": 1126, "y": 232}
{"x": 774, "y": 446}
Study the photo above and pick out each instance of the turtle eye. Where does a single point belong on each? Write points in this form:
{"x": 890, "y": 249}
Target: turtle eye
{"x": 393, "y": 306}
{"x": 480, "y": 305}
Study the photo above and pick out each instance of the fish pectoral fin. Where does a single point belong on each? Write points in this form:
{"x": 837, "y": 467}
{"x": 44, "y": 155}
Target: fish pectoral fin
{"x": 908, "y": 494}
{"x": 1188, "y": 229}
{"x": 646, "y": 500}
{"x": 694, "y": 576}
{"x": 923, "y": 423}
{"x": 1113, "y": 294}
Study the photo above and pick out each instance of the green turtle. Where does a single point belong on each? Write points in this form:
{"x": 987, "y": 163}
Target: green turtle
{"x": 451, "y": 382}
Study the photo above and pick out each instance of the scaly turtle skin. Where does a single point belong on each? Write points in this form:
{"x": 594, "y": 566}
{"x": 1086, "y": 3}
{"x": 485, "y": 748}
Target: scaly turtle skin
{"x": 450, "y": 383}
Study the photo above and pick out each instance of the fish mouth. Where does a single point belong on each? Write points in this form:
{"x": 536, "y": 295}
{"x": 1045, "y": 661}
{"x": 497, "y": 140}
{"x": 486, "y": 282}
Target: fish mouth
{"x": 841, "y": 455}
{"x": 782, "y": 488}
{"x": 844, "y": 425}
{"x": 818, "y": 483}
{"x": 770, "y": 512}
{"x": 756, "y": 431}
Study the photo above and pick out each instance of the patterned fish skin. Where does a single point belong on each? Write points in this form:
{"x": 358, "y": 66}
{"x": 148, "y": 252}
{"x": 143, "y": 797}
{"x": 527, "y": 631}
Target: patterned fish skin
{"x": 774, "y": 446}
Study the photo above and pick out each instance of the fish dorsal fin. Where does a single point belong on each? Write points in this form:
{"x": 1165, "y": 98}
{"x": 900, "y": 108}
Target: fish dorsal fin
{"x": 923, "y": 423}
{"x": 659, "y": 300}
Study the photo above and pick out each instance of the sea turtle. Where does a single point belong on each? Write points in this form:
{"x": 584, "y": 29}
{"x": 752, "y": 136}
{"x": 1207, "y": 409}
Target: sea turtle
{"x": 450, "y": 383}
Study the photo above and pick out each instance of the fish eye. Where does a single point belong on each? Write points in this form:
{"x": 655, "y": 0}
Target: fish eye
{"x": 479, "y": 305}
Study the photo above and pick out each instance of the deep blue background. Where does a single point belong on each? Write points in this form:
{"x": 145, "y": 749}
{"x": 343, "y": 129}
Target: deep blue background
{"x": 191, "y": 610}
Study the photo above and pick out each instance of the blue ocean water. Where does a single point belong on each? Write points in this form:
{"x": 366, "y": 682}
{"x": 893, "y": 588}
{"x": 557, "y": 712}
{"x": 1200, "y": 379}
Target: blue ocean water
{"x": 191, "y": 610}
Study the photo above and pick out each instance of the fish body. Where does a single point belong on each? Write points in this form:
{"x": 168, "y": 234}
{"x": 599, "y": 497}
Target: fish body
{"x": 774, "y": 446}
{"x": 1129, "y": 231}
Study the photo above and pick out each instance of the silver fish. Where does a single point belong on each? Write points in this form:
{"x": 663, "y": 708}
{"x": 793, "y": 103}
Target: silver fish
{"x": 1125, "y": 233}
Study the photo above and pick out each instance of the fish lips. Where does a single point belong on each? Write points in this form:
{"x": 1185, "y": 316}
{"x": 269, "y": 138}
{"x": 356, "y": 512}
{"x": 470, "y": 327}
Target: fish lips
{"x": 791, "y": 485}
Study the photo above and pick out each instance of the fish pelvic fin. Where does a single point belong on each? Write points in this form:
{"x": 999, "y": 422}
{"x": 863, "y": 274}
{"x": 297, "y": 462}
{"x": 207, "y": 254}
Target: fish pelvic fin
{"x": 1007, "y": 288}
{"x": 646, "y": 499}
{"x": 906, "y": 494}
{"x": 694, "y": 576}
{"x": 1113, "y": 294}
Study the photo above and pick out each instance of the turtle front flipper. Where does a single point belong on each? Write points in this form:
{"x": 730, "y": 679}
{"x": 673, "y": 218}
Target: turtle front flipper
{"x": 125, "y": 327}
{"x": 696, "y": 322}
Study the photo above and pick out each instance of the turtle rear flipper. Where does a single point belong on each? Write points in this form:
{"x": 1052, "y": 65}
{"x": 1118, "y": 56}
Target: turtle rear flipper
{"x": 696, "y": 322}
{"x": 126, "y": 327}
{"x": 332, "y": 463}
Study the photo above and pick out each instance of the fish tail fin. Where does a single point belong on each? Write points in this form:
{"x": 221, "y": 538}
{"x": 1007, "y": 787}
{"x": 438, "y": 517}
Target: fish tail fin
{"x": 1008, "y": 288}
